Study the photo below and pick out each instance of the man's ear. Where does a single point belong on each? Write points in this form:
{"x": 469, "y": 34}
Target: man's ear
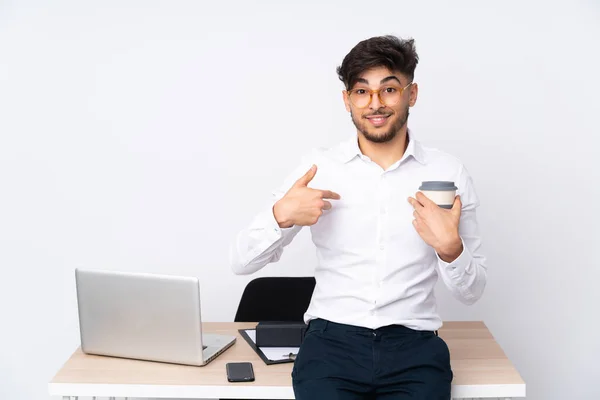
{"x": 414, "y": 93}
{"x": 346, "y": 100}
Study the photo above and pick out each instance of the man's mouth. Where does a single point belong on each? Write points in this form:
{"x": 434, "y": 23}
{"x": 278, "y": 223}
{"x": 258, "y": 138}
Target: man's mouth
{"x": 377, "y": 120}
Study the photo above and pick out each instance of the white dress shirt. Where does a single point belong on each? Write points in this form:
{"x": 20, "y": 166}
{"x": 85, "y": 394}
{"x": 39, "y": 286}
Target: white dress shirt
{"x": 373, "y": 267}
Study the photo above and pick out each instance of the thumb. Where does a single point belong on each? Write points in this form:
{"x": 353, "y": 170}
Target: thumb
{"x": 457, "y": 206}
{"x": 307, "y": 177}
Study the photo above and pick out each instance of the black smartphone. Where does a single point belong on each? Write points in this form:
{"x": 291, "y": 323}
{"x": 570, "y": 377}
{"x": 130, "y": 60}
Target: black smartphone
{"x": 240, "y": 372}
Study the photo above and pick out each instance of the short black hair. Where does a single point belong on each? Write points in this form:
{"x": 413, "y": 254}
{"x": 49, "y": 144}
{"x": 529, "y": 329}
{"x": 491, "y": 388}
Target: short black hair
{"x": 388, "y": 51}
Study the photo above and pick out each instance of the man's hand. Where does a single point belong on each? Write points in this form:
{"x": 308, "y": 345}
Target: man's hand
{"x": 302, "y": 205}
{"x": 437, "y": 226}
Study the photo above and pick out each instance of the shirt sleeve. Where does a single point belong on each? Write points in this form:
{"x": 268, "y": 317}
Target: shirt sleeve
{"x": 466, "y": 276}
{"x": 262, "y": 241}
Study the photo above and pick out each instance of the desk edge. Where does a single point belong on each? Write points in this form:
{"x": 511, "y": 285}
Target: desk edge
{"x": 245, "y": 391}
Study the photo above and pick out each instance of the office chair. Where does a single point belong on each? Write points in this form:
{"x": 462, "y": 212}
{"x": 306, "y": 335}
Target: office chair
{"x": 275, "y": 299}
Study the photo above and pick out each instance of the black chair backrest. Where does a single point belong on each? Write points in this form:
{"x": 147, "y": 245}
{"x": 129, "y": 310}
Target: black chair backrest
{"x": 275, "y": 299}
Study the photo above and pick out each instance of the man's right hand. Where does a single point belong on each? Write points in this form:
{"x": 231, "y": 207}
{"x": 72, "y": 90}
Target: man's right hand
{"x": 302, "y": 205}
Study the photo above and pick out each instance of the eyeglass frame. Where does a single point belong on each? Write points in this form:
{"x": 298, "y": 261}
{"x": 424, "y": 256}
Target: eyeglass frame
{"x": 378, "y": 91}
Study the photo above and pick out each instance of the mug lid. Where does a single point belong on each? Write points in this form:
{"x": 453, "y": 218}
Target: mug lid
{"x": 437, "y": 185}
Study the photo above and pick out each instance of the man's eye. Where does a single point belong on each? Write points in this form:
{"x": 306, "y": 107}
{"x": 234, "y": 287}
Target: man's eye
{"x": 389, "y": 90}
{"x": 361, "y": 91}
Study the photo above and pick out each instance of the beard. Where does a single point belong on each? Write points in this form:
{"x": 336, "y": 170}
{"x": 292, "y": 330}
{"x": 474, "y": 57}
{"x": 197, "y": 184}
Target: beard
{"x": 361, "y": 125}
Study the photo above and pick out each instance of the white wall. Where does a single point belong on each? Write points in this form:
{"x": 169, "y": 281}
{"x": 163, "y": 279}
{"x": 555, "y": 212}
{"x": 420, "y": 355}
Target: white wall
{"x": 142, "y": 136}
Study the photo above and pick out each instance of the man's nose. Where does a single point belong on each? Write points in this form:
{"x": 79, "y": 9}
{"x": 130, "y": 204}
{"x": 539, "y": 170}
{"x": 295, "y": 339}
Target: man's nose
{"x": 375, "y": 103}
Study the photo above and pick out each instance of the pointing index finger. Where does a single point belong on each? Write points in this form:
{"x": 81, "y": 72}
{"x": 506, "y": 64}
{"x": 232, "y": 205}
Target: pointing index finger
{"x": 328, "y": 194}
{"x": 424, "y": 200}
{"x": 415, "y": 203}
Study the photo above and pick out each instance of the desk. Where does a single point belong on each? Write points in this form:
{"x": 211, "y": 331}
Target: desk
{"x": 481, "y": 370}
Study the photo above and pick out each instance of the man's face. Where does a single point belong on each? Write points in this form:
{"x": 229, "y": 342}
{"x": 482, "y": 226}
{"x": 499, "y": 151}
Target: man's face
{"x": 379, "y": 122}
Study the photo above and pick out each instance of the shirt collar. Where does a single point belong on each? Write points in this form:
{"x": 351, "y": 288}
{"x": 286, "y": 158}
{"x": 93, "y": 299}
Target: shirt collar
{"x": 350, "y": 149}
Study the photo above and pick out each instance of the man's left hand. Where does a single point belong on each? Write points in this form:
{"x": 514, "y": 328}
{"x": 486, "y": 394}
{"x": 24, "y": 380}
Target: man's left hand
{"x": 438, "y": 226}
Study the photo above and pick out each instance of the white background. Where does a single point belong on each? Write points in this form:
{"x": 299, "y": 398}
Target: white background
{"x": 141, "y": 136}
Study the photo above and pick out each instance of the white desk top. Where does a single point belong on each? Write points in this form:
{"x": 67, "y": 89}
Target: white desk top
{"x": 480, "y": 367}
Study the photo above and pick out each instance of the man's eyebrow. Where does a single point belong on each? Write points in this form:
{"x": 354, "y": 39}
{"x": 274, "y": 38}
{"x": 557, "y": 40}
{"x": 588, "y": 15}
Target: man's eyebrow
{"x": 390, "y": 78}
{"x": 384, "y": 80}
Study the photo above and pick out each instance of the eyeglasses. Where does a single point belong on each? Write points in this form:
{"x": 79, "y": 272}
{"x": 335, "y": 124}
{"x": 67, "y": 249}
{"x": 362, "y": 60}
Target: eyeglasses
{"x": 388, "y": 95}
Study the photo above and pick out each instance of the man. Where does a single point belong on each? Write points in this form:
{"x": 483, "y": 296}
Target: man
{"x": 381, "y": 244}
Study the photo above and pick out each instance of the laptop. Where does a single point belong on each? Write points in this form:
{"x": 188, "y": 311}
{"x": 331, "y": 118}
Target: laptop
{"x": 144, "y": 316}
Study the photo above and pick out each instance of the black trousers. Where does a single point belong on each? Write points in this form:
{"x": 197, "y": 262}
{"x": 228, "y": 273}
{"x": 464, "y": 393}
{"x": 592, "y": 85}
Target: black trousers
{"x": 347, "y": 362}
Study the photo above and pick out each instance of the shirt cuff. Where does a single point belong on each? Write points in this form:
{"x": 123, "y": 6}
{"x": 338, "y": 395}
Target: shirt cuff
{"x": 457, "y": 268}
{"x": 274, "y": 231}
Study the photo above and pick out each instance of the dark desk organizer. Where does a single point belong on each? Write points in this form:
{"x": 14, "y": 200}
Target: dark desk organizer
{"x": 280, "y": 334}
